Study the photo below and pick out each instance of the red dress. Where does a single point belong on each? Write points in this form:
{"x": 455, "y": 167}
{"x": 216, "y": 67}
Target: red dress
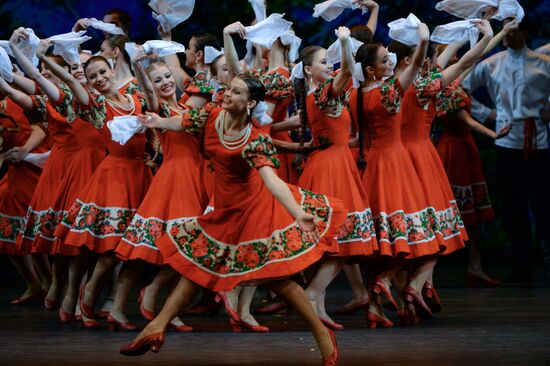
{"x": 63, "y": 149}
{"x": 450, "y": 229}
{"x": 176, "y": 193}
{"x": 280, "y": 92}
{"x": 333, "y": 171}
{"x": 90, "y": 152}
{"x": 461, "y": 159}
{"x": 250, "y": 236}
{"x": 105, "y": 206}
{"x": 17, "y": 186}
{"x": 405, "y": 225}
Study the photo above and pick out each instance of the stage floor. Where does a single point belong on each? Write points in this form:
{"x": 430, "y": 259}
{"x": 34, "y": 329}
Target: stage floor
{"x": 478, "y": 326}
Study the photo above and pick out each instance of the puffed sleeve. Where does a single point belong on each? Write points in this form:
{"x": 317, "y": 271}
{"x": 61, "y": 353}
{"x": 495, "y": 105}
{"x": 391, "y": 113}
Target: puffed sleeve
{"x": 327, "y": 101}
{"x": 199, "y": 85}
{"x": 65, "y": 104}
{"x": 164, "y": 109}
{"x": 194, "y": 119}
{"x": 426, "y": 88}
{"x": 95, "y": 112}
{"x": 261, "y": 152}
{"x": 451, "y": 99}
{"x": 278, "y": 86}
{"x": 392, "y": 95}
{"x": 39, "y": 112}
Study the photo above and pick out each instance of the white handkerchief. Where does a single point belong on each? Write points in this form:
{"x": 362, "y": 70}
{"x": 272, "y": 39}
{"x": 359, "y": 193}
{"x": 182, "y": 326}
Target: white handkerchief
{"x": 466, "y": 9}
{"x": 358, "y": 75}
{"x": 260, "y": 114}
{"x": 290, "y": 38}
{"x": 66, "y": 45}
{"x": 393, "y": 59}
{"x": 297, "y": 72}
{"x": 27, "y": 46}
{"x": 404, "y": 30}
{"x": 456, "y": 32}
{"x": 509, "y": 9}
{"x": 6, "y": 46}
{"x": 249, "y": 57}
{"x": 162, "y": 48}
{"x": 6, "y": 68}
{"x": 267, "y": 31}
{"x": 259, "y": 9}
{"x": 170, "y": 13}
{"x": 211, "y": 53}
{"x": 334, "y": 52}
{"x": 332, "y": 9}
{"x": 124, "y": 127}
{"x": 38, "y": 160}
{"x": 105, "y": 27}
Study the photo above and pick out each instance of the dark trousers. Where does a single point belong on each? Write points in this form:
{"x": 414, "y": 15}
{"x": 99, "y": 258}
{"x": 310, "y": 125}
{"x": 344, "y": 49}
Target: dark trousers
{"x": 524, "y": 188}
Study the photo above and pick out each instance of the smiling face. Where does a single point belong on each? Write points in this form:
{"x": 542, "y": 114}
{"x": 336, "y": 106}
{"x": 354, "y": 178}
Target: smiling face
{"x": 382, "y": 67}
{"x": 163, "y": 81}
{"x": 319, "y": 70}
{"x": 77, "y": 71}
{"x": 100, "y": 76}
{"x": 237, "y": 98}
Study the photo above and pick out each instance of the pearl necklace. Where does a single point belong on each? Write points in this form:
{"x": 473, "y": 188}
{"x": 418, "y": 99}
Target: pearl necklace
{"x": 232, "y": 142}
{"x": 121, "y": 108}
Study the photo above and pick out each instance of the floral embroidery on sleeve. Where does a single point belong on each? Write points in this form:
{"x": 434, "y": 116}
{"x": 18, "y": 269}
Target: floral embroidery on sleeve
{"x": 133, "y": 88}
{"x": 278, "y": 86}
{"x": 261, "y": 152}
{"x": 95, "y": 112}
{"x": 330, "y": 104}
{"x": 427, "y": 87}
{"x": 194, "y": 120}
{"x": 65, "y": 104}
{"x": 392, "y": 94}
{"x": 39, "y": 113}
{"x": 199, "y": 84}
{"x": 451, "y": 99}
{"x": 164, "y": 109}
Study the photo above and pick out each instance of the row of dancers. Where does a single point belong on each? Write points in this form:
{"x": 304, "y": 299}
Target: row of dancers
{"x": 236, "y": 201}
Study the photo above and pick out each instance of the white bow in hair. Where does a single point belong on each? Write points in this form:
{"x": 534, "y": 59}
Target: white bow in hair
{"x": 404, "y": 30}
{"x": 105, "y": 27}
{"x": 290, "y": 38}
{"x": 260, "y": 114}
{"x": 393, "y": 59}
{"x": 334, "y": 52}
{"x": 259, "y": 9}
{"x": 267, "y": 31}
{"x": 297, "y": 71}
{"x": 332, "y": 9}
{"x": 456, "y": 32}
{"x": 358, "y": 75}
{"x": 66, "y": 45}
{"x": 170, "y": 13}
{"x": 162, "y": 48}
{"x": 124, "y": 127}
{"x": 211, "y": 53}
{"x": 6, "y": 68}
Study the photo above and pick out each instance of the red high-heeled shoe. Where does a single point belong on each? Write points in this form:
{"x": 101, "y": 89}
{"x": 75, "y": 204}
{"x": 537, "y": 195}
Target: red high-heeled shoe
{"x": 50, "y": 304}
{"x": 222, "y": 296}
{"x": 374, "y": 320}
{"x": 411, "y": 296}
{"x": 472, "y": 279}
{"x": 272, "y": 308}
{"x": 152, "y": 342}
{"x": 64, "y": 316}
{"x": 238, "y": 327}
{"x": 331, "y": 324}
{"x": 147, "y": 314}
{"x": 380, "y": 288}
{"x": 23, "y": 300}
{"x": 115, "y": 324}
{"x": 353, "y": 307}
{"x": 431, "y": 297}
{"x": 332, "y": 359}
{"x": 90, "y": 323}
{"x": 85, "y": 309}
{"x": 179, "y": 328}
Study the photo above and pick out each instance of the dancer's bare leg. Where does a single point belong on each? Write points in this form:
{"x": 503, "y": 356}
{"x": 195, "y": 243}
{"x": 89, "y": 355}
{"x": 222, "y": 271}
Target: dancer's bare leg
{"x": 128, "y": 276}
{"x": 328, "y": 270}
{"x": 24, "y": 266}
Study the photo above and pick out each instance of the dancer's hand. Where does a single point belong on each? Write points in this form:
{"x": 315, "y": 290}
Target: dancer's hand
{"x": 16, "y": 154}
{"x": 235, "y": 28}
{"x": 512, "y": 25}
{"x": 484, "y": 26}
{"x": 43, "y": 47}
{"x": 81, "y": 24}
{"x": 18, "y": 35}
{"x": 423, "y": 32}
{"x": 503, "y": 131}
{"x": 139, "y": 55}
{"x": 310, "y": 233}
{"x": 343, "y": 33}
{"x": 150, "y": 120}
{"x": 367, "y": 4}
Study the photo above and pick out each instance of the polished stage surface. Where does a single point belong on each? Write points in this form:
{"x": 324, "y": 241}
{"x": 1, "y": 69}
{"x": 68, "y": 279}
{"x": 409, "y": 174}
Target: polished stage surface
{"x": 478, "y": 326}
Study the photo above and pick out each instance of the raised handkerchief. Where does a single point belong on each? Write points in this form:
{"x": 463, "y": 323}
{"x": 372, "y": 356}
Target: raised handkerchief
{"x": 170, "y": 13}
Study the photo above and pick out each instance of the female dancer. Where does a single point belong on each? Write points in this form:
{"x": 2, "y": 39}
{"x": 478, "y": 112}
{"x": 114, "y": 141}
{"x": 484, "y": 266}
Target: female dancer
{"x": 238, "y": 241}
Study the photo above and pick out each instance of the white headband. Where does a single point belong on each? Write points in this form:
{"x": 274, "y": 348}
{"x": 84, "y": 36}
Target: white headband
{"x": 290, "y": 38}
{"x": 170, "y": 13}
{"x": 6, "y": 68}
{"x": 66, "y": 45}
{"x": 260, "y": 114}
{"x": 297, "y": 71}
{"x": 210, "y": 54}
{"x": 456, "y": 32}
{"x": 404, "y": 30}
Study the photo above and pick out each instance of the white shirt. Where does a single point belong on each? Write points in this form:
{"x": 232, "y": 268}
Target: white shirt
{"x": 518, "y": 82}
